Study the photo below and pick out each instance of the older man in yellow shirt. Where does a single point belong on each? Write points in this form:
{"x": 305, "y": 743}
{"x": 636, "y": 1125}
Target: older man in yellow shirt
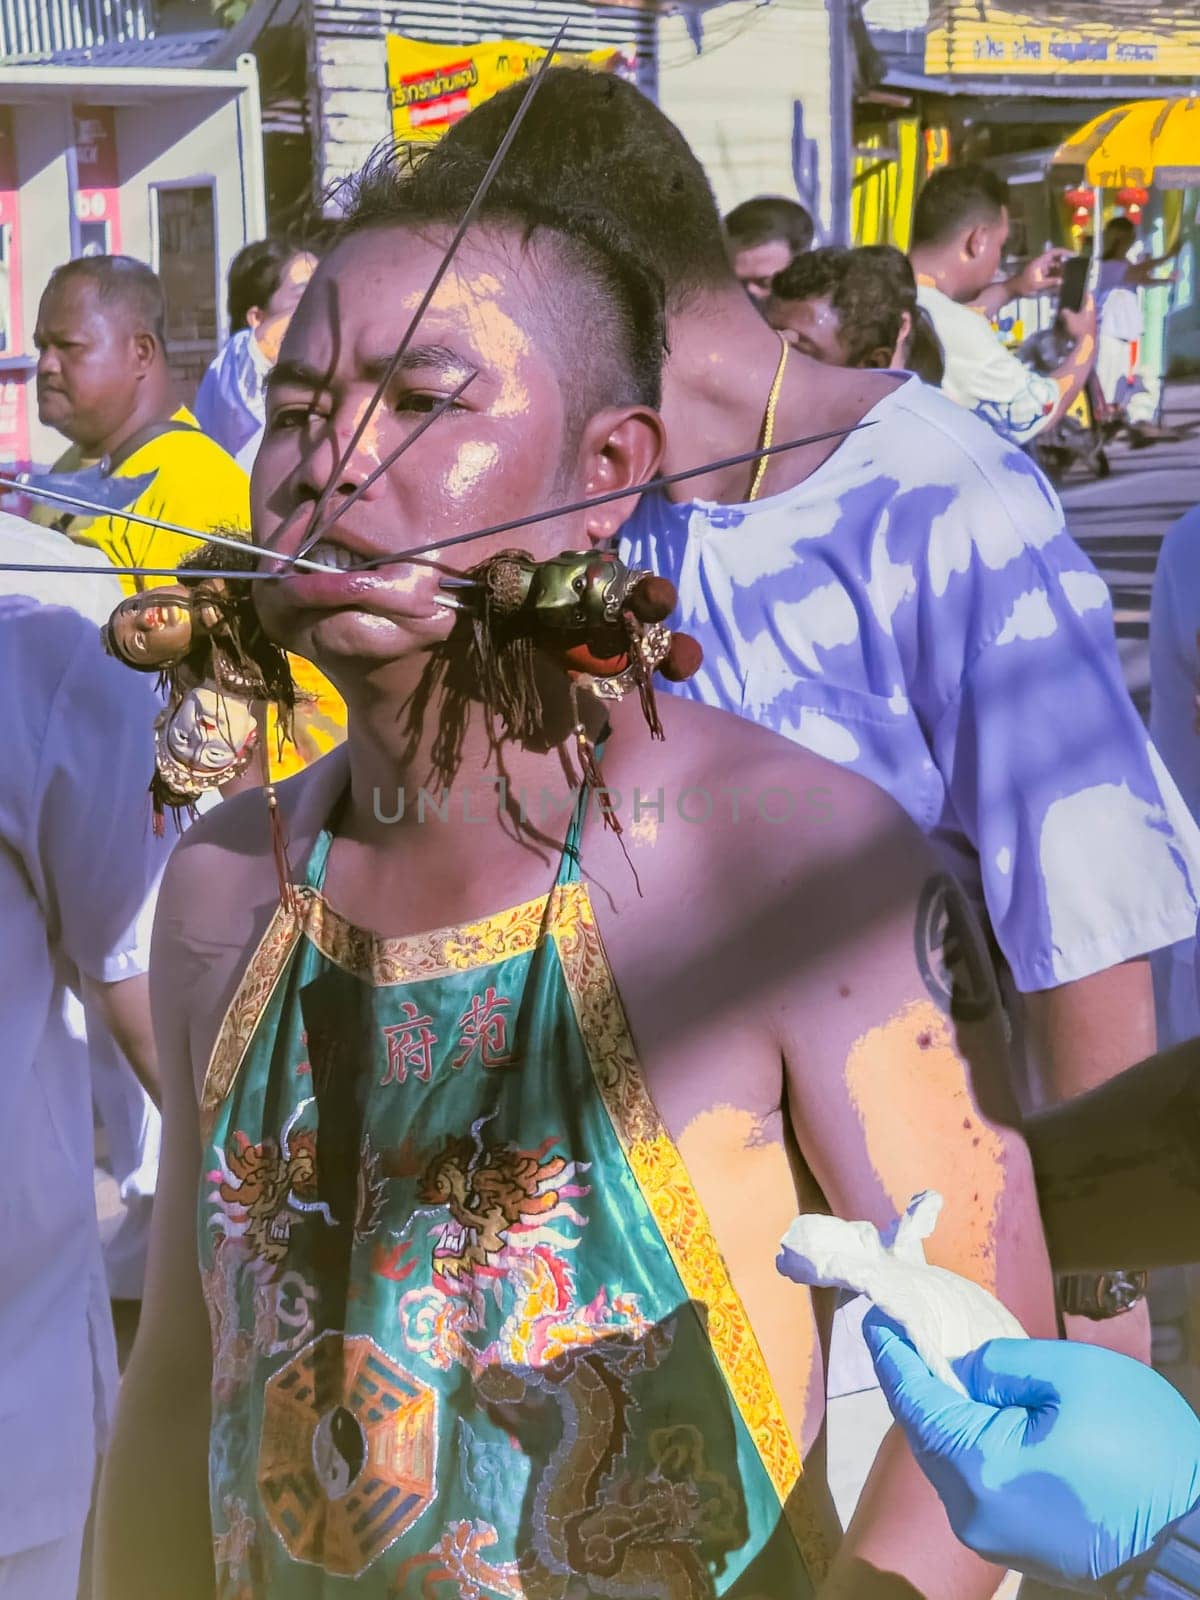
{"x": 103, "y": 382}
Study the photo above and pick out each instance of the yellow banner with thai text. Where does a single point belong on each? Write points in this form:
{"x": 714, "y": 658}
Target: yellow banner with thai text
{"x": 433, "y": 86}
{"x": 966, "y": 38}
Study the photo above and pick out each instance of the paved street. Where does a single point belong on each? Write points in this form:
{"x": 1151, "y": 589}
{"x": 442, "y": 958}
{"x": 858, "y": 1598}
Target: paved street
{"x": 1120, "y": 522}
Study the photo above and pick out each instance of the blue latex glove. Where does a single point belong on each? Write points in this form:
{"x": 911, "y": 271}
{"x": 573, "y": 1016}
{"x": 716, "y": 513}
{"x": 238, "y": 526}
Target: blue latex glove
{"x": 1066, "y": 1462}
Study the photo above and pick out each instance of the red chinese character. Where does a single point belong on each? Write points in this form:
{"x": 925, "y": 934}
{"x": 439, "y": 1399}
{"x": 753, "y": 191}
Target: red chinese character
{"x": 484, "y": 1028}
{"x": 409, "y": 1045}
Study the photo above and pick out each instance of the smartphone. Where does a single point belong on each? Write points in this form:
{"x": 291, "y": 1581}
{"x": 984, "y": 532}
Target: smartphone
{"x": 1075, "y": 273}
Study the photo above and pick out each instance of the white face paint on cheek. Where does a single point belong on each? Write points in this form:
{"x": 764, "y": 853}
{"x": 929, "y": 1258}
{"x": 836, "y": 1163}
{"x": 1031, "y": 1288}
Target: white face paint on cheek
{"x": 472, "y": 462}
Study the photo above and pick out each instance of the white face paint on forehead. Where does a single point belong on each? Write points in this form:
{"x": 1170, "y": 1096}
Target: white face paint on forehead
{"x": 475, "y": 296}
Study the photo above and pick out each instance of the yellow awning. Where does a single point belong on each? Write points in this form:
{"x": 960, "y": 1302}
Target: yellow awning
{"x": 1148, "y": 144}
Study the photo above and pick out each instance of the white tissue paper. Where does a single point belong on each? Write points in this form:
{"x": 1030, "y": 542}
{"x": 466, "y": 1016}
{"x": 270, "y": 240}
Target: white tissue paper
{"x": 944, "y": 1316}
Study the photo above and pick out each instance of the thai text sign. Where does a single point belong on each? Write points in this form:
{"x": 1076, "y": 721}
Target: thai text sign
{"x": 966, "y": 38}
{"x": 432, "y": 86}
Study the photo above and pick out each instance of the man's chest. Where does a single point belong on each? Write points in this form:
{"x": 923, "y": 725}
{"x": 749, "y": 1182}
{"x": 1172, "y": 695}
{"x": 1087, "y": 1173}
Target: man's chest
{"x": 698, "y": 1027}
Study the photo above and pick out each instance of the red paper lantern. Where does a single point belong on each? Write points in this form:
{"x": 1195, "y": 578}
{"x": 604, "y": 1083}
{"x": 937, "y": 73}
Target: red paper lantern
{"x": 1133, "y": 200}
{"x": 1080, "y": 202}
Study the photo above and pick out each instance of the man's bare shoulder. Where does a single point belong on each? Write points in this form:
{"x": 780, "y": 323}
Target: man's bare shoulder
{"x": 741, "y": 800}
{"x": 226, "y": 860}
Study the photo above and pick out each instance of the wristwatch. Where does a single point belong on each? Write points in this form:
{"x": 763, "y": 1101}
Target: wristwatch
{"x": 1100, "y": 1295}
{"x": 1170, "y": 1569}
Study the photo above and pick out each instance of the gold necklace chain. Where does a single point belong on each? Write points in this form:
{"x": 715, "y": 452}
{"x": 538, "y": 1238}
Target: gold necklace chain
{"x": 768, "y": 428}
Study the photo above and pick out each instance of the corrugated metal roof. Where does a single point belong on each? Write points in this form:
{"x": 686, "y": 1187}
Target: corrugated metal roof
{"x": 170, "y": 50}
{"x": 469, "y": 21}
{"x": 44, "y": 28}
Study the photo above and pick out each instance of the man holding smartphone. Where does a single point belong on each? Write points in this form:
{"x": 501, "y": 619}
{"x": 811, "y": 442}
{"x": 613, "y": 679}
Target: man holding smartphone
{"x": 959, "y": 232}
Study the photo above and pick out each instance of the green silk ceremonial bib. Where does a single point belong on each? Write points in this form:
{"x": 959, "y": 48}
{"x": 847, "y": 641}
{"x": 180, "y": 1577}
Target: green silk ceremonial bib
{"x": 472, "y": 1335}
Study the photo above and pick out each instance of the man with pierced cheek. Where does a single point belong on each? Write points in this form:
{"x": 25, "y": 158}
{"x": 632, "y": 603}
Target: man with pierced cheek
{"x": 480, "y": 1145}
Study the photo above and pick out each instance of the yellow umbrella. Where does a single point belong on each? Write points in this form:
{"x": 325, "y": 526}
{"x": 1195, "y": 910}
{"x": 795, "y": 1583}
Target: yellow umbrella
{"x": 1149, "y": 144}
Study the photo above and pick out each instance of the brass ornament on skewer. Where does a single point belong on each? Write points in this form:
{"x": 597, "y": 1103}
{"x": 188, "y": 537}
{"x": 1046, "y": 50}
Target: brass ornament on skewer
{"x": 601, "y": 622}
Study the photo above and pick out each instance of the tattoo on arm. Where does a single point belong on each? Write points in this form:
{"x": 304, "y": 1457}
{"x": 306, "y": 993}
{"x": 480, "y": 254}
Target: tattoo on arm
{"x": 951, "y": 953}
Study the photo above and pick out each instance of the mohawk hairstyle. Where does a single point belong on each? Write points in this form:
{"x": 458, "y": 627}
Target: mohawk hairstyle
{"x": 602, "y": 303}
{"x": 590, "y": 133}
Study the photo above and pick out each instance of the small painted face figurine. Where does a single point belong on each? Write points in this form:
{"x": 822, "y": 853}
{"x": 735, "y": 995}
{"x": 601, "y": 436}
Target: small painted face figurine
{"x": 152, "y": 630}
{"x": 209, "y": 735}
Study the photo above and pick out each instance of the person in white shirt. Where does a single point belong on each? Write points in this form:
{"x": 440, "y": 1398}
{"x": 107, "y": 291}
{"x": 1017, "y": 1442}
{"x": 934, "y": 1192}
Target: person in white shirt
{"x": 960, "y": 229}
{"x": 1121, "y": 324}
{"x": 130, "y": 1119}
{"x": 78, "y": 865}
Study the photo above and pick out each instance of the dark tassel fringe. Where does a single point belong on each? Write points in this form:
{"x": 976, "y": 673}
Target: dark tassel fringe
{"x": 504, "y": 665}
{"x": 252, "y": 653}
{"x": 163, "y": 799}
{"x": 645, "y": 683}
{"x": 593, "y": 779}
{"x": 279, "y": 849}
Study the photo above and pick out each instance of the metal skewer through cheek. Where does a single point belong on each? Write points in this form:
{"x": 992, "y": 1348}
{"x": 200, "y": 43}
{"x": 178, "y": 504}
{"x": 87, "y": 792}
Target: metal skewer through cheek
{"x": 106, "y": 570}
{"x": 460, "y": 581}
{"x": 79, "y": 504}
{"x": 485, "y": 183}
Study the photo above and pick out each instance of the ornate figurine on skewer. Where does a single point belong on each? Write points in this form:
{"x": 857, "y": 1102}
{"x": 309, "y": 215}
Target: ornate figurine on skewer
{"x": 602, "y": 623}
{"x": 202, "y": 636}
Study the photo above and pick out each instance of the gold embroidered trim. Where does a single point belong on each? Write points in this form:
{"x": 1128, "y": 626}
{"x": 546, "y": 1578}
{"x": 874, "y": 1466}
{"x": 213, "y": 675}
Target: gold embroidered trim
{"x": 686, "y": 1231}
{"x": 243, "y": 1012}
{"x": 383, "y": 962}
{"x": 366, "y": 955}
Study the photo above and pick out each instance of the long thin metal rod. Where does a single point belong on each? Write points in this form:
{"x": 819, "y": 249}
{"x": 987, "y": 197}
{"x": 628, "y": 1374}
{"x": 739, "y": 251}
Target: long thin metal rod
{"x": 485, "y": 184}
{"x": 439, "y": 410}
{"x": 610, "y": 495}
{"x": 419, "y": 551}
{"x": 78, "y": 504}
{"x": 106, "y": 571}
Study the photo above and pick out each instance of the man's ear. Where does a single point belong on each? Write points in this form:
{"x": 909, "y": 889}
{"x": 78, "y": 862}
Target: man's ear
{"x": 144, "y": 347}
{"x": 899, "y": 356}
{"x": 254, "y": 316}
{"x": 622, "y": 450}
{"x": 975, "y": 243}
